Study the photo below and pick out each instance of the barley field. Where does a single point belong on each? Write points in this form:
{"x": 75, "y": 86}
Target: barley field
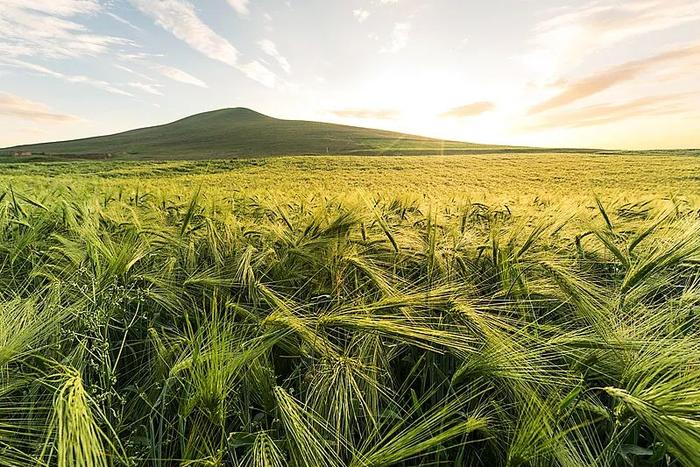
{"x": 493, "y": 310}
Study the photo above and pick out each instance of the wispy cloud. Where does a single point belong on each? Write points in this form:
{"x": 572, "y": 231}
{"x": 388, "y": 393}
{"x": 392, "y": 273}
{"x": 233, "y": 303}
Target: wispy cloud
{"x": 134, "y": 72}
{"x": 569, "y": 35}
{"x": 149, "y": 88}
{"x": 33, "y": 30}
{"x": 603, "y": 80}
{"x": 180, "y": 18}
{"x": 48, "y": 29}
{"x": 611, "y": 21}
{"x": 270, "y": 48}
{"x": 179, "y": 75}
{"x": 121, "y": 20}
{"x": 606, "y": 113}
{"x": 399, "y": 38}
{"x": 259, "y": 72}
{"x": 170, "y": 72}
{"x": 57, "y": 7}
{"x": 79, "y": 79}
{"x": 241, "y": 6}
{"x": 366, "y": 114}
{"x": 361, "y": 14}
{"x": 18, "y": 107}
{"x": 469, "y": 110}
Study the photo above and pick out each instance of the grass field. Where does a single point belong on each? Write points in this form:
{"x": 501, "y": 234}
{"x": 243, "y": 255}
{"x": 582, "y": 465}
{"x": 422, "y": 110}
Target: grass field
{"x": 510, "y": 178}
{"x": 515, "y": 310}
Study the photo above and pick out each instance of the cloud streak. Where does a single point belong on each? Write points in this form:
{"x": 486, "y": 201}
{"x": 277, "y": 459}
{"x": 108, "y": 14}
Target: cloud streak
{"x": 241, "y": 6}
{"x": 56, "y": 7}
{"x": 18, "y": 107}
{"x": 47, "y": 29}
{"x": 180, "y": 18}
{"x": 569, "y": 35}
{"x": 600, "y": 114}
{"x": 166, "y": 71}
{"x": 78, "y": 79}
{"x": 469, "y": 110}
{"x": 149, "y": 88}
{"x": 612, "y": 21}
{"x": 180, "y": 76}
{"x": 606, "y": 79}
{"x": 270, "y": 48}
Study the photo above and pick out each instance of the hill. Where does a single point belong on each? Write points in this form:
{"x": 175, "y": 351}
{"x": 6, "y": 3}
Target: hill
{"x": 244, "y": 132}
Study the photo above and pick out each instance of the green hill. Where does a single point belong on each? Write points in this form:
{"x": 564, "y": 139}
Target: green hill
{"x": 244, "y": 132}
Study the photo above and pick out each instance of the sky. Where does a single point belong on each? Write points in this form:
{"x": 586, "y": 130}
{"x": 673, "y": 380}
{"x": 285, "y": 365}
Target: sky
{"x": 552, "y": 73}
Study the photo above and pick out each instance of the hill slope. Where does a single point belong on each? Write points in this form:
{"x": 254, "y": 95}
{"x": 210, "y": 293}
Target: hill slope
{"x": 243, "y": 132}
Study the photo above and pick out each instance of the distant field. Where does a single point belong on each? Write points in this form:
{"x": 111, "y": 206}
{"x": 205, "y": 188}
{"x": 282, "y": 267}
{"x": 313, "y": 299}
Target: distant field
{"x": 503, "y": 310}
{"x": 503, "y": 178}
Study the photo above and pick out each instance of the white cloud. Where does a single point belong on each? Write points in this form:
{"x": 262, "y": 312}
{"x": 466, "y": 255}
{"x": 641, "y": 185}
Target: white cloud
{"x": 600, "y": 114}
{"x": 38, "y": 28}
{"x": 399, "y": 38}
{"x": 179, "y": 75}
{"x": 121, "y": 20}
{"x": 147, "y": 87}
{"x": 170, "y": 72}
{"x": 79, "y": 79}
{"x": 138, "y": 56}
{"x": 259, "y": 72}
{"x": 678, "y": 61}
{"x": 469, "y": 110}
{"x": 270, "y": 48}
{"x": 241, "y": 6}
{"x": 180, "y": 18}
{"x": 563, "y": 40}
{"x": 56, "y": 7}
{"x": 361, "y": 14}
{"x": 133, "y": 72}
{"x": 19, "y": 107}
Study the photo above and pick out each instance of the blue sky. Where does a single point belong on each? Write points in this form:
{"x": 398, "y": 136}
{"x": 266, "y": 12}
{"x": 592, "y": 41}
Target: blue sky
{"x": 599, "y": 73}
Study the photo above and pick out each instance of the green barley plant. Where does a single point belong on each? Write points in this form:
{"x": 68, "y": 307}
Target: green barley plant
{"x": 153, "y": 320}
